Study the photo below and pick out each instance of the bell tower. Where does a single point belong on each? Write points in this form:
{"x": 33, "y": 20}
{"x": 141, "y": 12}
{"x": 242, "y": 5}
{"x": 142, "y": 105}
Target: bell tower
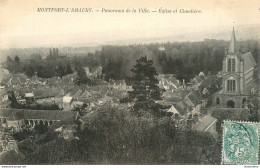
{"x": 232, "y": 66}
{"x": 237, "y": 74}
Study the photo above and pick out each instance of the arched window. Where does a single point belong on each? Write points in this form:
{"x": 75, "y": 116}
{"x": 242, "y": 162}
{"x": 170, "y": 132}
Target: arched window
{"x": 243, "y": 102}
{"x": 229, "y": 65}
{"x": 231, "y": 85}
{"x": 233, "y": 65}
{"x": 217, "y": 101}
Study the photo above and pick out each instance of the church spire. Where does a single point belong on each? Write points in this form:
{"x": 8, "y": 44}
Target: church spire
{"x": 232, "y": 45}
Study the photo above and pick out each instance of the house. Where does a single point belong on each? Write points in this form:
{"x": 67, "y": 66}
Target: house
{"x": 46, "y": 93}
{"x": 169, "y": 82}
{"x": 129, "y": 88}
{"x": 76, "y": 104}
{"x": 118, "y": 84}
{"x": 87, "y": 71}
{"x": 173, "y": 110}
{"x": 202, "y": 74}
{"x": 97, "y": 72}
{"x": 196, "y": 81}
{"x": 193, "y": 101}
{"x": 21, "y": 101}
{"x": 5, "y": 98}
{"x": 16, "y": 119}
{"x": 178, "y": 111}
{"x": 205, "y": 123}
{"x": 29, "y": 97}
{"x": 66, "y": 102}
{"x": 8, "y": 144}
{"x": 193, "y": 98}
{"x": 66, "y": 131}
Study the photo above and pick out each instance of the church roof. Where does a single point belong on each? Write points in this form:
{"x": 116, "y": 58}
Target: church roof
{"x": 249, "y": 61}
{"x": 232, "y": 45}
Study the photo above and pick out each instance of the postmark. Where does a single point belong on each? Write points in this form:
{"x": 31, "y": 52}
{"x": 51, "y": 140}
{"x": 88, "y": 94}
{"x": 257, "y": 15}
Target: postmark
{"x": 240, "y": 143}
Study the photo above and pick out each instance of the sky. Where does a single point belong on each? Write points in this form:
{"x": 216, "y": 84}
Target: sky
{"x": 22, "y": 26}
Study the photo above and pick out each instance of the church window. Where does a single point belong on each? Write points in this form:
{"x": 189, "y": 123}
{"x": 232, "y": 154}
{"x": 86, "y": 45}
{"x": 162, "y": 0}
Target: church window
{"x": 231, "y": 85}
{"x": 233, "y": 65}
{"x": 229, "y": 65}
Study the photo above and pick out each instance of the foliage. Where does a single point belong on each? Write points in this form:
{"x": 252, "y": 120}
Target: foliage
{"x": 81, "y": 76}
{"x": 184, "y": 59}
{"x": 145, "y": 85}
{"x": 112, "y": 135}
{"x": 45, "y": 68}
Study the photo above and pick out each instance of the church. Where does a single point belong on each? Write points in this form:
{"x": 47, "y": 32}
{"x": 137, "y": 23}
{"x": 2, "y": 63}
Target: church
{"x": 237, "y": 78}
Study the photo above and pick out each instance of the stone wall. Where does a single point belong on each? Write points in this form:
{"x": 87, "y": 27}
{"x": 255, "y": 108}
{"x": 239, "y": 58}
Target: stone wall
{"x": 224, "y": 98}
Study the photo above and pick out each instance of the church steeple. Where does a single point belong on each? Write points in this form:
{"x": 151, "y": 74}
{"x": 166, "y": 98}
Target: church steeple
{"x": 232, "y": 45}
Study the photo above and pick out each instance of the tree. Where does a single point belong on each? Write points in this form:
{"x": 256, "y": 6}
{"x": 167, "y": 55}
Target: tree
{"x": 81, "y": 76}
{"x": 61, "y": 70}
{"x": 145, "y": 86}
{"x": 69, "y": 69}
{"x": 9, "y": 59}
{"x": 16, "y": 59}
{"x": 50, "y": 53}
{"x": 29, "y": 70}
{"x": 12, "y": 97}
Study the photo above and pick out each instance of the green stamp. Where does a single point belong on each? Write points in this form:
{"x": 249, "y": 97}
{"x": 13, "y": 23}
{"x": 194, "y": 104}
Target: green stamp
{"x": 240, "y": 143}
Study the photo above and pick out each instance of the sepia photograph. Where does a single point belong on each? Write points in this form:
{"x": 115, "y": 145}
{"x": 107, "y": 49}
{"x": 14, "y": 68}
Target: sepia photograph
{"x": 129, "y": 82}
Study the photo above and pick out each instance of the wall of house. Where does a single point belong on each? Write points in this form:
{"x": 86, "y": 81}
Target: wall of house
{"x": 16, "y": 124}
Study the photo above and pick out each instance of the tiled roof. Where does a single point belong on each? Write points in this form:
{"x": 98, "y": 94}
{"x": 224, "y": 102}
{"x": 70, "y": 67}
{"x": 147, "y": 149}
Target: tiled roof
{"x": 181, "y": 93}
{"x": 197, "y": 79}
{"x": 18, "y": 114}
{"x": 194, "y": 97}
{"x": 77, "y": 93}
{"x": 181, "y": 110}
{"x": 49, "y": 114}
{"x": 42, "y": 93}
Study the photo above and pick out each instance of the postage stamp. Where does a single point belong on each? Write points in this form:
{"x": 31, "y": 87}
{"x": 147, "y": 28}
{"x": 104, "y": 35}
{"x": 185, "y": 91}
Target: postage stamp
{"x": 240, "y": 143}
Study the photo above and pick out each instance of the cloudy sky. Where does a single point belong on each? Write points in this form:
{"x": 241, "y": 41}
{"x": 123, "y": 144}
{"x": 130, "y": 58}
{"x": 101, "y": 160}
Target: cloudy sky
{"x": 22, "y": 26}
